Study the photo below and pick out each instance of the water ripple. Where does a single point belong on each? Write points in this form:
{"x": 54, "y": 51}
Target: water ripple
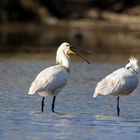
{"x": 78, "y": 115}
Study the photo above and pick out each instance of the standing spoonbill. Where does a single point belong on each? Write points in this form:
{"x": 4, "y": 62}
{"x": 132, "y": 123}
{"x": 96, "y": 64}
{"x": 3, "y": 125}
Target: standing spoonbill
{"x": 52, "y": 80}
{"x": 119, "y": 83}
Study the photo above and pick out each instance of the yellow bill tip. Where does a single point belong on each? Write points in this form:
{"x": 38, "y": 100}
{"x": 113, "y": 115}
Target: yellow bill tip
{"x": 69, "y": 52}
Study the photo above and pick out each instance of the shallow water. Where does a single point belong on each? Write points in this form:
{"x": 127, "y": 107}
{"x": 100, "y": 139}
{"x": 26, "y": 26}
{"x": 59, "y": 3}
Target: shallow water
{"x": 78, "y": 115}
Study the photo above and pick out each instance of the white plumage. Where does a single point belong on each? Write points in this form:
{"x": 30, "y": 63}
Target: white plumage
{"x": 51, "y": 80}
{"x": 119, "y": 83}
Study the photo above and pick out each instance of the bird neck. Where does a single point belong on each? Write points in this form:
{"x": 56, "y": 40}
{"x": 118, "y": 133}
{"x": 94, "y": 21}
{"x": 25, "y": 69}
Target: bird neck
{"x": 63, "y": 60}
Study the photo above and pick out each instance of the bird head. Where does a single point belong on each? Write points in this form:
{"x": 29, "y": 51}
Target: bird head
{"x": 65, "y": 51}
{"x": 132, "y": 65}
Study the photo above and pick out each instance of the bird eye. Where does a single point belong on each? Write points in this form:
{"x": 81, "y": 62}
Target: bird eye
{"x": 128, "y": 67}
{"x": 71, "y": 48}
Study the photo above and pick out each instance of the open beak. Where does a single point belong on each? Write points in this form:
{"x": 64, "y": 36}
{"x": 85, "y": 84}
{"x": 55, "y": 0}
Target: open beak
{"x": 81, "y": 50}
{"x": 77, "y": 52}
{"x": 69, "y": 52}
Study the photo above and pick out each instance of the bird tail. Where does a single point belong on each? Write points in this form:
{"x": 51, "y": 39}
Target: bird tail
{"x": 31, "y": 91}
{"x": 96, "y": 94}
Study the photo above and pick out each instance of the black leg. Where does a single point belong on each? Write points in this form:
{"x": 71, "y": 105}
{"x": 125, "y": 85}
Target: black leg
{"x": 118, "y": 108}
{"x": 53, "y": 103}
{"x": 42, "y": 104}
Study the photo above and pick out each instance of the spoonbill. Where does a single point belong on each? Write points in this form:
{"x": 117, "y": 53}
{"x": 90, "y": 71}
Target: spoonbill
{"x": 119, "y": 83}
{"x": 52, "y": 80}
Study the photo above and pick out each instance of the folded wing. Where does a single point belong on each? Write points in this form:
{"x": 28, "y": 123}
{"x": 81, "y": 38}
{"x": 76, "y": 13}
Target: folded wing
{"x": 120, "y": 82}
{"x": 51, "y": 79}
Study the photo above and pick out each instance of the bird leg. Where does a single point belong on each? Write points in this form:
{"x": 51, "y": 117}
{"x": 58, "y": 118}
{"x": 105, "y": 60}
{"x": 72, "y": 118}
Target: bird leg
{"x": 118, "y": 108}
{"x": 53, "y": 103}
{"x": 42, "y": 104}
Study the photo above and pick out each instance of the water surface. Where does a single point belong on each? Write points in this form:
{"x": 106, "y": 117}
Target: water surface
{"x": 78, "y": 116}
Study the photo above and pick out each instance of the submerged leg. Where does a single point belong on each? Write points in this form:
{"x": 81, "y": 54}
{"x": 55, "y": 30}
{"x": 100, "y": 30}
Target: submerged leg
{"x": 118, "y": 108}
{"x": 42, "y": 104}
{"x": 53, "y": 103}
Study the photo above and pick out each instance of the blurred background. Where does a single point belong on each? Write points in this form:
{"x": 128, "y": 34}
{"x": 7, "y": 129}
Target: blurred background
{"x": 103, "y": 26}
{"x": 30, "y": 33}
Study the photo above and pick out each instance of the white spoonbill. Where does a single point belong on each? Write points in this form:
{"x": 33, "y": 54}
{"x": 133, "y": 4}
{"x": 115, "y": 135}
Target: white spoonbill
{"x": 52, "y": 80}
{"x": 119, "y": 83}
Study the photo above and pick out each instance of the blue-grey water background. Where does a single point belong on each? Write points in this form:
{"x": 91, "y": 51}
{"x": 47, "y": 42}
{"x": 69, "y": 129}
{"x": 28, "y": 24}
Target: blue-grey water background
{"x": 78, "y": 116}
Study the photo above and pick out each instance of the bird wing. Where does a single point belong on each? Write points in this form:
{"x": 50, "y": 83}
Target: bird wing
{"x": 120, "y": 82}
{"x": 50, "y": 79}
{"x": 107, "y": 86}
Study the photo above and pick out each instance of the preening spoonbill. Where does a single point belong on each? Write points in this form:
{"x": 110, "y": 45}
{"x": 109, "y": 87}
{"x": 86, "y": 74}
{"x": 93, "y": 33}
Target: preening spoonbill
{"x": 52, "y": 80}
{"x": 119, "y": 83}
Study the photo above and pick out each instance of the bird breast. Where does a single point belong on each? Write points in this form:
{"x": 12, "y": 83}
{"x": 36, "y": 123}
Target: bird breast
{"x": 50, "y": 80}
{"x": 120, "y": 82}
